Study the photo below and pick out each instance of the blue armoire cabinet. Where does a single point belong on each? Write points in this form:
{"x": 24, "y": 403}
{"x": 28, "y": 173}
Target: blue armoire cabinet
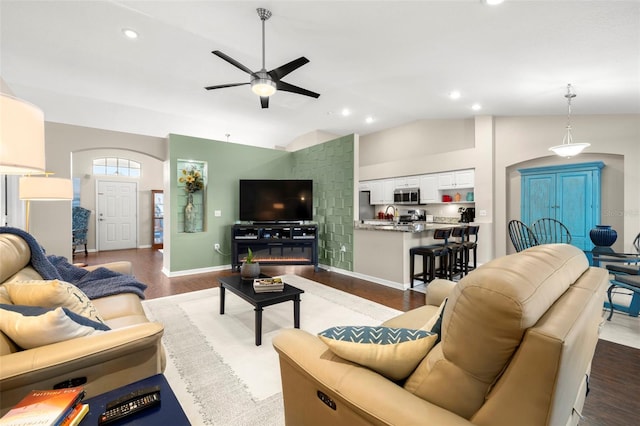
{"x": 569, "y": 193}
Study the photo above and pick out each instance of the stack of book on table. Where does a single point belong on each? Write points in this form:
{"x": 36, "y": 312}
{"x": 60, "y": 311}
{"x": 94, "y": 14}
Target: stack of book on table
{"x": 267, "y": 285}
{"x": 52, "y": 407}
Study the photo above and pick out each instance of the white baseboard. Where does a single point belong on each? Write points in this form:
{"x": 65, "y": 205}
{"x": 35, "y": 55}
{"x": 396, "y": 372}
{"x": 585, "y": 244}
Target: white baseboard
{"x": 392, "y": 284}
{"x": 185, "y": 272}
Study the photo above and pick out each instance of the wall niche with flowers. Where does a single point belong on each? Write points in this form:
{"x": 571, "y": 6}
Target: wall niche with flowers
{"x": 192, "y": 182}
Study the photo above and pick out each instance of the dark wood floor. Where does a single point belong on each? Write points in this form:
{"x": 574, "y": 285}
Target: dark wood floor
{"x": 148, "y": 269}
{"x": 614, "y": 399}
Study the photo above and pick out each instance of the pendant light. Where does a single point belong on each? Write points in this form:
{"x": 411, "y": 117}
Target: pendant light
{"x": 568, "y": 147}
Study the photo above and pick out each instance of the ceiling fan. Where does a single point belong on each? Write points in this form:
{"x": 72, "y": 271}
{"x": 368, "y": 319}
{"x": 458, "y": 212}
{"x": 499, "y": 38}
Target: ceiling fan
{"x": 265, "y": 83}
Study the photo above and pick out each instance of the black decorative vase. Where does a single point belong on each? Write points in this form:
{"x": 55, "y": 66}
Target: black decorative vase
{"x": 603, "y": 235}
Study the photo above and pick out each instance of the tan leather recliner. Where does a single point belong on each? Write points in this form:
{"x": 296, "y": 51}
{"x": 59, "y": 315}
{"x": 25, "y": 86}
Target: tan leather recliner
{"x": 130, "y": 351}
{"x": 518, "y": 337}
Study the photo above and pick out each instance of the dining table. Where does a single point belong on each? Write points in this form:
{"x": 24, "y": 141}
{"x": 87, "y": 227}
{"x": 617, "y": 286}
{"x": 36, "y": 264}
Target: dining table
{"x": 624, "y": 270}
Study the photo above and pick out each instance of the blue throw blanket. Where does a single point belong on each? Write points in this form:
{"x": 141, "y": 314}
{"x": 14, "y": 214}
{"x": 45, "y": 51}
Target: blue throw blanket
{"x": 97, "y": 283}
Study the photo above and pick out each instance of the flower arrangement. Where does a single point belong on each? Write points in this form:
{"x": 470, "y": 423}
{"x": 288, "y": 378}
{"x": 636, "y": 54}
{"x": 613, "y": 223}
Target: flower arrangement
{"x": 192, "y": 179}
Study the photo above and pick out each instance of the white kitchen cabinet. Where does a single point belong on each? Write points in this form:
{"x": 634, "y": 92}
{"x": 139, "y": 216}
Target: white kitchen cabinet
{"x": 381, "y": 191}
{"x": 388, "y": 185}
{"x": 407, "y": 182}
{"x": 465, "y": 178}
{"x": 429, "y": 189}
{"x": 365, "y": 186}
{"x": 375, "y": 188}
{"x": 455, "y": 180}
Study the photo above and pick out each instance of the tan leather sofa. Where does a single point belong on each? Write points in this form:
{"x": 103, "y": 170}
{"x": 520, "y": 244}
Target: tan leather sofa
{"x": 518, "y": 337}
{"x": 130, "y": 351}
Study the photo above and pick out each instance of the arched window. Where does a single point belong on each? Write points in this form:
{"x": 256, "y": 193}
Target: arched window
{"x": 111, "y": 166}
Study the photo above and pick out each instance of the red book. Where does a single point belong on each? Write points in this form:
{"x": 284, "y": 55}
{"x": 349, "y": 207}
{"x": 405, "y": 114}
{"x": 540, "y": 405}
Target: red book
{"x": 43, "y": 407}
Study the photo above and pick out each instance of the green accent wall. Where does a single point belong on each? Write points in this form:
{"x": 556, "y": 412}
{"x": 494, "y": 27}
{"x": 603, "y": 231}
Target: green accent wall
{"x": 330, "y": 165}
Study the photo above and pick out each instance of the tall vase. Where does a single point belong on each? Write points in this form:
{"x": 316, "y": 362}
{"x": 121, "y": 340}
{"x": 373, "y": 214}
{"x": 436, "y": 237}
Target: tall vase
{"x": 603, "y": 235}
{"x": 189, "y": 215}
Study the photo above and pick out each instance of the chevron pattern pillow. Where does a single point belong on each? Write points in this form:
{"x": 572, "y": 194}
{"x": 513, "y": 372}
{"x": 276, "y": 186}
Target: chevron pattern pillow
{"x": 392, "y": 352}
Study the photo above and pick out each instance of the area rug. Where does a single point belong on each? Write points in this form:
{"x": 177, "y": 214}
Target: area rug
{"x": 217, "y": 373}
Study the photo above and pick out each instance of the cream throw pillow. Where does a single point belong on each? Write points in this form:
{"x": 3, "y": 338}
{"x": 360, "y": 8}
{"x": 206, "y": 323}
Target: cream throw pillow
{"x": 392, "y": 352}
{"x": 31, "y": 327}
{"x": 52, "y": 294}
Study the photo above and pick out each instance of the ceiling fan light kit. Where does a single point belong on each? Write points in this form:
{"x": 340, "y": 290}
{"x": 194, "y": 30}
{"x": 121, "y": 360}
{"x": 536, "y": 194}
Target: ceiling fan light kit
{"x": 568, "y": 148}
{"x": 263, "y": 86}
{"x": 265, "y": 83}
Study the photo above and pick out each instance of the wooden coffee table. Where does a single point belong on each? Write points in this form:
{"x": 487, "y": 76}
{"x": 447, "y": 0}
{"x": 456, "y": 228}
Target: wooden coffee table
{"x": 244, "y": 289}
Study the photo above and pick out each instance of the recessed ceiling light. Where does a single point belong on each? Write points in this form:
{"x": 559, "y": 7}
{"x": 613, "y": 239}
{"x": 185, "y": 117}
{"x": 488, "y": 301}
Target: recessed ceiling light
{"x": 129, "y": 33}
{"x": 476, "y": 107}
{"x": 369, "y": 120}
{"x": 346, "y": 112}
{"x": 493, "y": 2}
{"x": 455, "y": 94}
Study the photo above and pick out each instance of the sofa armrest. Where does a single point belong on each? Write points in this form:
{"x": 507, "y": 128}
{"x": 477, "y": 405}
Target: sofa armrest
{"x": 107, "y": 361}
{"x": 361, "y": 395}
{"x": 123, "y": 267}
{"x": 437, "y": 291}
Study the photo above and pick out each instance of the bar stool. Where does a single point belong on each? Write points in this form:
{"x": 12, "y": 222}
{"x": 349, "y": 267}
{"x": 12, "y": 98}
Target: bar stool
{"x": 457, "y": 252}
{"x": 471, "y": 230}
{"x": 429, "y": 254}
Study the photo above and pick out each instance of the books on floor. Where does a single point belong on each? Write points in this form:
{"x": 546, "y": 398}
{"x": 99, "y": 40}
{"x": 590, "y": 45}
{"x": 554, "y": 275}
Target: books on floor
{"x": 267, "y": 285}
{"x": 50, "y": 407}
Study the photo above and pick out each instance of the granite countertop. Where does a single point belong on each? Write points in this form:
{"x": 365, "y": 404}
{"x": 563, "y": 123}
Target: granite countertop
{"x": 388, "y": 225}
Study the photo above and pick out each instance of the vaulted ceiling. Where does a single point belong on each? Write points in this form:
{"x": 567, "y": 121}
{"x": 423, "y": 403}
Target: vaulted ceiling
{"x": 393, "y": 61}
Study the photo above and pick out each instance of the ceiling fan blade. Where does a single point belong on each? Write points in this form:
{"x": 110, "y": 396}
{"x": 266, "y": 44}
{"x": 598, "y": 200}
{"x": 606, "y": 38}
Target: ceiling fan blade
{"x": 264, "y": 101}
{"x": 286, "y": 87}
{"x": 232, "y": 61}
{"x": 278, "y": 73}
{"x": 222, "y": 86}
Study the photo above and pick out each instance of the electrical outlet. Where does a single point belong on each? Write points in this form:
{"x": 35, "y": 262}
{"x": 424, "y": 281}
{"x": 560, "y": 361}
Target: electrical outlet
{"x": 343, "y": 248}
{"x": 216, "y": 246}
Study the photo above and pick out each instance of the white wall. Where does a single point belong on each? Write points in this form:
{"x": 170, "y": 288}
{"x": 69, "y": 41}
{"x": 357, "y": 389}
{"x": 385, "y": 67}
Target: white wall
{"x": 520, "y": 139}
{"x": 50, "y": 222}
{"x": 151, "y": 178}
{"x": 431, "y": 146}
{"x": 496, "y": 146}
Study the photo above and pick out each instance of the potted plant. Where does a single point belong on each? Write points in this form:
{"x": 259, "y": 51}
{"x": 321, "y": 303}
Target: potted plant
{"x": 250, "y": 268}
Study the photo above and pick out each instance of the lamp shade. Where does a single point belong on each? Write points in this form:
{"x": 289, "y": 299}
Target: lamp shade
{"x": 569, "y": 149}
{"x": 45, "y": 189}
{"x": 21, "y": 137}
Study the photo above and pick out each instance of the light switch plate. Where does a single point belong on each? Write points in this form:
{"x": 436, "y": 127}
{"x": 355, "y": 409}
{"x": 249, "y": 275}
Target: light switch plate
{"x": 217, "y": 213}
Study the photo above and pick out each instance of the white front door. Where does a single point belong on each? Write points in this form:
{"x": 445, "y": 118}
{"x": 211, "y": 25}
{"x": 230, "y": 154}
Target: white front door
{"x": 117, "y": 215}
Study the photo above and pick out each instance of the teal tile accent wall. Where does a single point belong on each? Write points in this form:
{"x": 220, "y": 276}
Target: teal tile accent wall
{"x": 330, "y": 165}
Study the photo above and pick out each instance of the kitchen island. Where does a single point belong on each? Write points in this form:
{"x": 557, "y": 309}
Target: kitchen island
{"x": 381, "y": 249}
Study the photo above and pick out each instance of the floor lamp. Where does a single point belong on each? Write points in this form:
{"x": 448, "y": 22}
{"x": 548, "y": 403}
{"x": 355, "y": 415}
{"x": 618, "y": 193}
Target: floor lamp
{"x": 21, "y": 137}
{"x": 44, "y": 189}
{"x": 21, "y": 141}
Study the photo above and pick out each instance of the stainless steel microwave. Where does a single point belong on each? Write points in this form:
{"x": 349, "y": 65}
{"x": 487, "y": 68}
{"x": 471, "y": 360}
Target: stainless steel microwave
{"x": 406, "y": 196}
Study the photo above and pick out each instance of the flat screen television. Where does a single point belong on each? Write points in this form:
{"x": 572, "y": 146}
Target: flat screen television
{"x": 276, "y": 200}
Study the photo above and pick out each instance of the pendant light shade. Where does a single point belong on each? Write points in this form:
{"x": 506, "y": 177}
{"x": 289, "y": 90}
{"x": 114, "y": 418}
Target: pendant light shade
{"x": 568, "y": 147}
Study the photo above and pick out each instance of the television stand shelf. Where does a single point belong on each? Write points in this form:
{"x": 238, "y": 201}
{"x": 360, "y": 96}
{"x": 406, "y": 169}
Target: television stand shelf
{"x": 275, "y": 244}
